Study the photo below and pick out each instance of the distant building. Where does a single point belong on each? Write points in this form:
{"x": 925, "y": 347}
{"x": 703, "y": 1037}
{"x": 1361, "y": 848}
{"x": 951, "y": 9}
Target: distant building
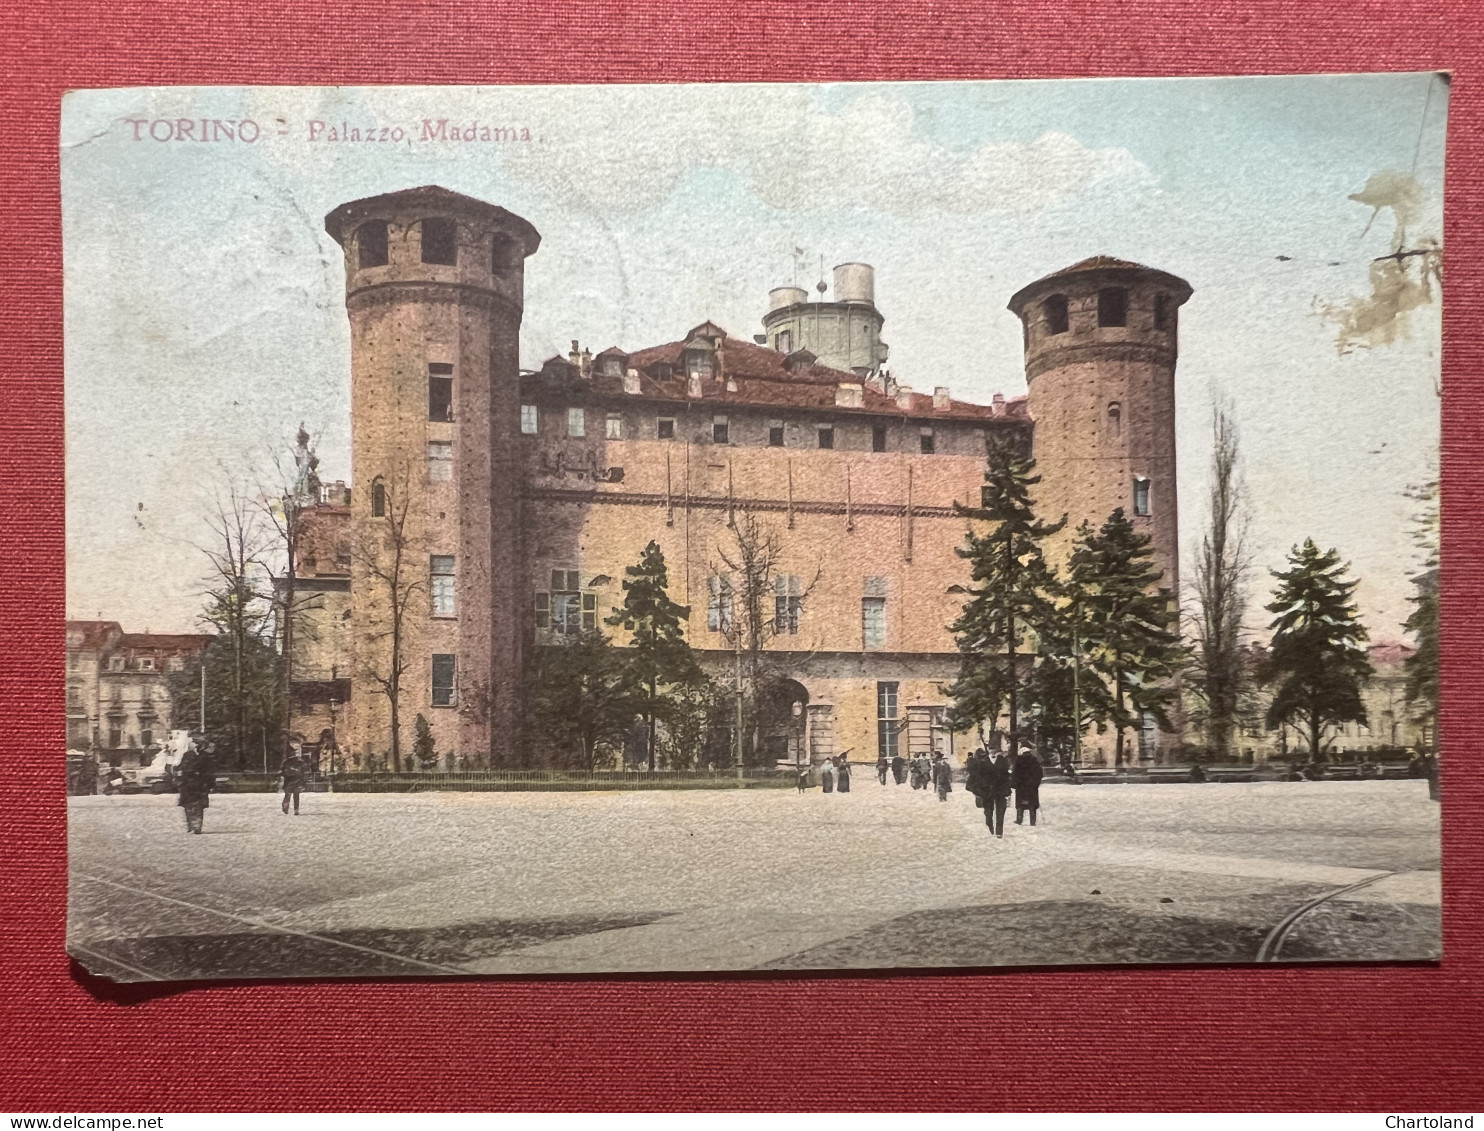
{"x": 118, "y": 702}
{"x": 523, "y": 497}
{"x": 1391, "y": 723}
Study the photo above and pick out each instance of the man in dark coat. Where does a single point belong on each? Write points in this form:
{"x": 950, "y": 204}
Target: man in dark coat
{"x": 1026, "y": 779}
{"x": 293, "y": 778}
{"x": 842, "y": 775}
{"x": 979, "y": 780}
{"x": 942, "y": 776}
{"x": 899, "y": 769}
{"x": 195, "y": 775}
{"x": 882, "y": 765}
{"x": 999, "y": 798}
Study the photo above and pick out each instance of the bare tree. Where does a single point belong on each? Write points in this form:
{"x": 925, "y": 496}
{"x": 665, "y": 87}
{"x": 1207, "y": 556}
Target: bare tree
{"x": 750, "y": 611}
{"x": 1222, "y": 567}
{"x": 234, "y": 592}
{"x": 386, "y": 551}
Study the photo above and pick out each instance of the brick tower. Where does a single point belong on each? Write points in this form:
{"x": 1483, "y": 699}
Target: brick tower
{"x": 1101, "y": 342}
{"x": 435, "y": 292}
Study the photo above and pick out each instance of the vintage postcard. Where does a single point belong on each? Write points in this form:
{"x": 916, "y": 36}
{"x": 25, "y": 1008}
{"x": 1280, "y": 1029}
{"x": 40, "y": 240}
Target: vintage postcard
{"x": 548, "y": 530}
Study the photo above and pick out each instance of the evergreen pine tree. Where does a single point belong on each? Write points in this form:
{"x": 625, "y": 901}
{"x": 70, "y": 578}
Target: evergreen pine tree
{"x": 1130, "y": 624}
{"x": 422, "y": 743}
{"x": 1422, "y": 665}
{"x": 1317, "y": 656}
{"x": 659, "y": 657}
{"x": 1012, "y": 595}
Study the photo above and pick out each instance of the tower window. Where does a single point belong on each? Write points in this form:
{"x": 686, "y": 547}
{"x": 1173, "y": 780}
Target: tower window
{"x": 927, "y": 442}
{"x": 1162, "y": 312}
{"x": 530, "y": 419}
{"x": 873, "y": 614}
{"x": 1141, "y": 496}
{"x": 1113, "y": 306}
{"x": 1115, "y": 421}
{"x": 440, "y": 241}
{"x": 1054, "y": 310}
{"x": 576, "y": 423}
{"x": 378, "y": 499}
{"x": 371, "y": 244}
{"x": 440, "y": 460}
{"x": 784, "y": 343}
{"x": 720, "y": 430}
{"x": 502, "y": 252}
{"x": 719, "y": 603}
{"x": 878, "y": 438}
{"x": 443, "y": 680}
{"x": 826, "y": 435}
{"x": 664, "y": 428}
{"x": 775, "y": 433}
{"x": 440, "y": 391}
{"x": 440, "y": 584}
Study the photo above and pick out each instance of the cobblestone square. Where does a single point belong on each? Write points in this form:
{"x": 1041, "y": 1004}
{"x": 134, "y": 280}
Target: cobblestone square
{"x": 881, "y": 877}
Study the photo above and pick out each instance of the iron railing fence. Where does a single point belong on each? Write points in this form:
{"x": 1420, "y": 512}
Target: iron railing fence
{"x": 528, "y": 780}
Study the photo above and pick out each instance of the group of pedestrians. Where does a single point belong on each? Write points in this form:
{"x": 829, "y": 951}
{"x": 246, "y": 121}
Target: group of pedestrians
{"x": 834, "y": 775}
{"x": 992, "y": 778}
{"x": 195, "y": 777}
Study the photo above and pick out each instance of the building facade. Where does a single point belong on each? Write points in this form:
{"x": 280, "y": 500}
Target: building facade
{"x": 118, "y": 700}
{"x": 495, "y": 511}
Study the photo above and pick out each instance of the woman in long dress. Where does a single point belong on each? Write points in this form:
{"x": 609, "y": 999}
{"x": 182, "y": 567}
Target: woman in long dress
{"x": 827, "y": 777}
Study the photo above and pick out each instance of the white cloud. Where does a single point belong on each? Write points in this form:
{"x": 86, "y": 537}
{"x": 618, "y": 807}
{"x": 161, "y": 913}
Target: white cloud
{"x": 796, "y": 156}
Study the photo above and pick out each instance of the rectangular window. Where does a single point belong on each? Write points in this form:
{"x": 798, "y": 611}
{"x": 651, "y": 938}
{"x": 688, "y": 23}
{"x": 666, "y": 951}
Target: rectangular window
{"x": 927, "y": 442}
{"x": 698, "y": 364}
{"x": 440, "y": 584}
{"x": 720, "y": 431}
{"x": 873, "y": 623}
{"x": 371, "y": 243}
{"x": 775, "y": 433}
{"x": 785, "y": 341}
{"x": 443, "y": 679}
{"x": 530, "y": 419}
{"x": 886, "y": 720}
{"x": 440, "y": 391}
{"x": 440, "y": 460}
{"x": 1113, "y": 306}
{"x": 826, "y": 435}
{"x": 719, "y": 603}
{"x": 614, "y": 426}
{"x": 565, "y": 609}
{"x": 664, "y": 428}
{"x": 576, "y": 422}
{"x": 115, "y": 736}
{"x": 146, "y": 664}
{"x": 878, "y": 438}
{"x": 788, "y": 604}
{"x": 1141, "y": 496}
{"x": 146, "y": 737}
{"x": 440, "y": 241}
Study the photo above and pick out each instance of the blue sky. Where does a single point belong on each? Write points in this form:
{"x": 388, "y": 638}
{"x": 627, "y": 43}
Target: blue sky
{"x": 205, "y": 303}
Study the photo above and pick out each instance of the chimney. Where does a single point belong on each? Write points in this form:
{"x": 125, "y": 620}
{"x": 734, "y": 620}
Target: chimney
{"x": 585, "y": 364}
{"x": 940, "y": 397}
{"x": 849, "y": 395}
{"x": 342, "y": 496}
{"x": 904, "y": 397}
{"x": 999, "y": 404}
{"x": 575, "y": 355}
{"x": 631, "y": 382}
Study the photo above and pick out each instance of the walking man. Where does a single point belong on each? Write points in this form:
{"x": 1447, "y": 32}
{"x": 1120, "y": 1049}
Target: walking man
{"x": 942, "y": 775}
{"x": 1026, "y": 779}
{"x": 882, "y": 766}
{"x": 899, "y": 769}
{"x": 195, "y": 775}
{"x": 293, "y": 778}
{"x": 999, "y": 798}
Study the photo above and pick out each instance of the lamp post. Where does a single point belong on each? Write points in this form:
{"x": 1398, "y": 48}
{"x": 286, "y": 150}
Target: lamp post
{"x": 334, "y": 743}
{"x": 798, "y": 712}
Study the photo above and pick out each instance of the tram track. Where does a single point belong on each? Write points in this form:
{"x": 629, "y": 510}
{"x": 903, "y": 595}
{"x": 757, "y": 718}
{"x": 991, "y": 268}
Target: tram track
{"x": 1272, "y": 945}
{"x": 416, "y": 965}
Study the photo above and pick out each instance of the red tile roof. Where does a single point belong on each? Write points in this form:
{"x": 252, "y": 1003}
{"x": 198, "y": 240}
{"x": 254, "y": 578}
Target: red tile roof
{"x": 763, "y": 379}
{"x": 94, "y": 632}
{"x": 165, "y": 642}
{"x": 1389, "y": 652}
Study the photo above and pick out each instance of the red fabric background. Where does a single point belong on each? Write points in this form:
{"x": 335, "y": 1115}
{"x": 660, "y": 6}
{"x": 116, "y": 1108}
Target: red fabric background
{"x": 1396, "y": 1038}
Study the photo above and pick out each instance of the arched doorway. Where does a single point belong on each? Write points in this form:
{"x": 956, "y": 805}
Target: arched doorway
{"x": 782, "y": 722}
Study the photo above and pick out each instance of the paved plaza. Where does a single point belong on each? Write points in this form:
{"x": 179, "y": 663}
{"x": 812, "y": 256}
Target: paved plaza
{"x": 538, "y": 883}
